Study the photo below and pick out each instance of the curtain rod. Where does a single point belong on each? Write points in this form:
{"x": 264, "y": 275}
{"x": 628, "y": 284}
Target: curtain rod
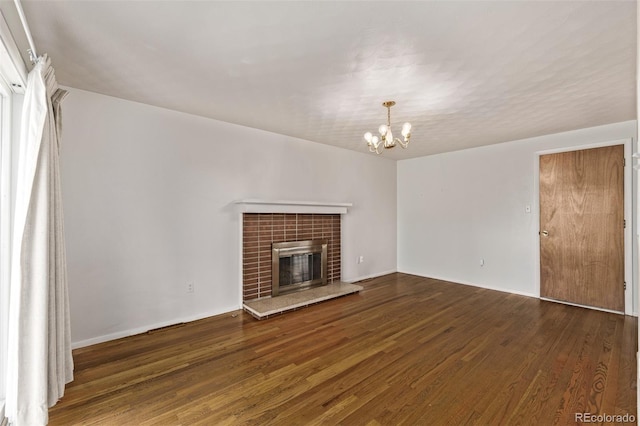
{"x": 32, "y": 51}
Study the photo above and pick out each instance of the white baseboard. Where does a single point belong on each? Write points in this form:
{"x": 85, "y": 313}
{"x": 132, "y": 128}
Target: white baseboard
{"x": 562, "y": 302}
{"x": 139, "y": 330}
{"x": 366, "y": 277}
{"x": 457, "y": 281}
{"x": 506, "y": 290}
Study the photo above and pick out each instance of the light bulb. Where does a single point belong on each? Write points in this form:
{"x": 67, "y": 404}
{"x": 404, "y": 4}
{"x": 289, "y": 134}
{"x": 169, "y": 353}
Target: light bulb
{"x": 367, "y": 137}
{"x": 406, "y": 129}
{"x": 383, "y": 129}
{"x": 375, "y": 141}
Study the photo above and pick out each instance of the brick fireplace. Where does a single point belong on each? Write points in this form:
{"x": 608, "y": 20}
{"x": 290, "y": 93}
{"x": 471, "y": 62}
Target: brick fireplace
{"x": 260, "y": 230}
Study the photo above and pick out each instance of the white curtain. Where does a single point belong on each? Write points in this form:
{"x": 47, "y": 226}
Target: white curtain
{"x": 39, "y": 362}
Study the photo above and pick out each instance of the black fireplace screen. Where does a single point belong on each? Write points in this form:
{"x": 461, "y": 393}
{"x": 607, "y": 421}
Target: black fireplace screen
{"x": 299, "y": 268}
{"x": 298, "y": 265}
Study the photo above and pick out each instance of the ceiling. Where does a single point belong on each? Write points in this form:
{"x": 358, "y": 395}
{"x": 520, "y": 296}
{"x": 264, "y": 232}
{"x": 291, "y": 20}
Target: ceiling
{"x": 465, "y": 74}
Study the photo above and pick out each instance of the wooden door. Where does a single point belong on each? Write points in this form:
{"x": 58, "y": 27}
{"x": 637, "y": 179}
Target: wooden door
{"x": 582, "y": 227}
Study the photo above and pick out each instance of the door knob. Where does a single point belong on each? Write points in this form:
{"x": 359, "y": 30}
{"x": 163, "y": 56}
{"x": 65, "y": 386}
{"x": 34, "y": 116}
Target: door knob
{"x": 545, "y": 233}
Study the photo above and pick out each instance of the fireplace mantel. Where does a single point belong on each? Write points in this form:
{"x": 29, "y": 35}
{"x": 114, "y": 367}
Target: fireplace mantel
{"x": 280, "y": 206}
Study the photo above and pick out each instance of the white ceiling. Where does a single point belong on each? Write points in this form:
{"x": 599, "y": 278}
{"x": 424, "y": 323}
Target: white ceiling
{"x": 464, "y": 74}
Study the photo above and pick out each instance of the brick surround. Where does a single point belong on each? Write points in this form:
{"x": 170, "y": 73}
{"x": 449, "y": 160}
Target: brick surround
{"x": 259, "y": 230}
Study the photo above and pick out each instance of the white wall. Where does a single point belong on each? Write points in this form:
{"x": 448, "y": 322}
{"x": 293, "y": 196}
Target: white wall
{"x": 457, "y": 208}
{"x": 148, "y": 201}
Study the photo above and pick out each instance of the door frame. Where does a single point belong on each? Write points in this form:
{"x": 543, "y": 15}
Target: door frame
{"x": 628, "y": 216}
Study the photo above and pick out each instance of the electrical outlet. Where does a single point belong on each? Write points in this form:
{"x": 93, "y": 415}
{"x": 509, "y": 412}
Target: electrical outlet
{"x": 191, "y": 287}
{"x": 360, "y": 259}
{"x": 481, "y": 262}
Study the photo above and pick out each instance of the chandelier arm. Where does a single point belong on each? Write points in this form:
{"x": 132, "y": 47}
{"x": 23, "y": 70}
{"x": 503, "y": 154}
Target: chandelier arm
{"x": 402, "y": 144}
{"x": 373, "y": 148}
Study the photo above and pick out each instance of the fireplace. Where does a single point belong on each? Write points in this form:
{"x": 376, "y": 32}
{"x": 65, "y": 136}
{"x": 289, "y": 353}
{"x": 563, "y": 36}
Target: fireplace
{"x": 261, "y": 230}
{"x": 298, "y": 265}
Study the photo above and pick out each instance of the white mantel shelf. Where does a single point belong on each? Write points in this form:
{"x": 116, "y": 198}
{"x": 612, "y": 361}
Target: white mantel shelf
{"x": 280, "y": 206}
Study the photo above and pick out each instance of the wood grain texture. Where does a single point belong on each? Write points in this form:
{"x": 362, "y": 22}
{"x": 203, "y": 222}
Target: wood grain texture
{"x": 405, "y": 350}
{"x": 582, "y": 208}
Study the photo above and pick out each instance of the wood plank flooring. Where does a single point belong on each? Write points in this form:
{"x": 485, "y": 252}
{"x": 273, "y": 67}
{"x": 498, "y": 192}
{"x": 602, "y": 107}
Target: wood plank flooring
{"x": 405, "y": 350}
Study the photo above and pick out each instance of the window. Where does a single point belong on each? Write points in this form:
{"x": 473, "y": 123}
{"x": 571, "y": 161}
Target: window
{"x": 5, "y": 227}
{"x": 13, "y": 76}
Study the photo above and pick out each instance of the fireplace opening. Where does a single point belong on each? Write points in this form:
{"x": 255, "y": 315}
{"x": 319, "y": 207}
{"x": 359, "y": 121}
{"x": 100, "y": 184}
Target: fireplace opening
{"x": 298, "y": 265}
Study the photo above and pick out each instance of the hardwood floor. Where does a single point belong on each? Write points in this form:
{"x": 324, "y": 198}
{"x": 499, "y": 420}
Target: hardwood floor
{"x": 406, "y": 350}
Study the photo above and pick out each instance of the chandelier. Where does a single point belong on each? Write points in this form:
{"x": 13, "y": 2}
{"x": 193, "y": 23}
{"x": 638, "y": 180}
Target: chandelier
{"x": 386, "y": 139}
